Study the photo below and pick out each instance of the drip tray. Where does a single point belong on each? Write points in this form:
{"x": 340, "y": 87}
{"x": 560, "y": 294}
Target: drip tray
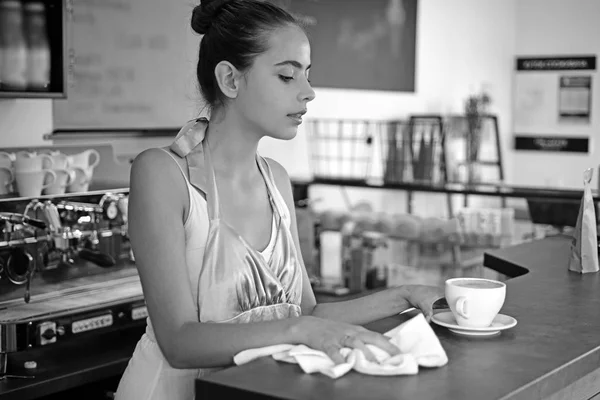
{"x": 73, "y": 300}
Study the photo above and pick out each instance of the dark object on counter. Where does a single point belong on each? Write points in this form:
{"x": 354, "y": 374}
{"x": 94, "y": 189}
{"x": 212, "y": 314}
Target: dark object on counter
{"x": 100, "y": 259}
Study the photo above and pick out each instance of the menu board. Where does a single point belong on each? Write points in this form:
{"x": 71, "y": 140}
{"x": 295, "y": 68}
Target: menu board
{"x": 134, "y": 66}
{"x": 360, "y": 44}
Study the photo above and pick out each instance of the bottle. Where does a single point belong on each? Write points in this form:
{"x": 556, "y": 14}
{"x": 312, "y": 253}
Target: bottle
{"x": 38, "y": 48}
{"x": 13, "y": 49}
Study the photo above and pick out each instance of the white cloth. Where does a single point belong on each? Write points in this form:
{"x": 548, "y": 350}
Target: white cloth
{"x": 418, "y": 344}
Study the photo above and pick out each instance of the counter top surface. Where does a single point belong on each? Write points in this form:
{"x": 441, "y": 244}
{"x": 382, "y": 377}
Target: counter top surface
{"x": 555, "y": 343}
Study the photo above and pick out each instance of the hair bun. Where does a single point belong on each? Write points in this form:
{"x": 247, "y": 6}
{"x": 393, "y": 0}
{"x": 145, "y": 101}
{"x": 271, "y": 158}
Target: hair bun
{"x": 205, "y": 14}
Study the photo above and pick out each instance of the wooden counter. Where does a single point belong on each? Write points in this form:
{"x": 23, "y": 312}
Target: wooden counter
{"x": 553, "y": 352}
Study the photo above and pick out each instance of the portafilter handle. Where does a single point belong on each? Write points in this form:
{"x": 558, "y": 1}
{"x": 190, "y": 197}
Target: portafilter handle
{"x": 15, "y": 218}
{"x": 52, "y": 216}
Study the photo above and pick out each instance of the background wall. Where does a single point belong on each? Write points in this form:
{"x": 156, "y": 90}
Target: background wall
{"x": 560, "y": 27}
{"x": 461, "y": 45}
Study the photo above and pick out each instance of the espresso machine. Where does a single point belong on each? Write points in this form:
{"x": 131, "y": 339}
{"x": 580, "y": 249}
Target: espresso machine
{"x": 66, "y": 272}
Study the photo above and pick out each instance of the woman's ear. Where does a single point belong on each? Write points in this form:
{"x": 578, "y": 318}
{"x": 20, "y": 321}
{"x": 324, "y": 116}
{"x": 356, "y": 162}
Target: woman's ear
{"x": 227, "y": 78}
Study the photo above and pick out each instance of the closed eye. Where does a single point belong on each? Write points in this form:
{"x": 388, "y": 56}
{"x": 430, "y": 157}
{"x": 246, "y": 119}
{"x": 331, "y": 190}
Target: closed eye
{"x": 286, "y": 79}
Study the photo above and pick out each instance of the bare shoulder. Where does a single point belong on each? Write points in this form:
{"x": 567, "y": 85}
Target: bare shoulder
{"x": 153, "y": 171}
{"x": 282, "y": 179}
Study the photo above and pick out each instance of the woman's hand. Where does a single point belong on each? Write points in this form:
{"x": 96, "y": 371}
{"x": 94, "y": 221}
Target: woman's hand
{"x": 331, "y": 336}
{"x": 422, "y": 297}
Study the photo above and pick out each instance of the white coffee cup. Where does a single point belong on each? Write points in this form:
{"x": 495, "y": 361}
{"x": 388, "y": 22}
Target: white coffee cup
{"x": 86, "y": 159}
{"x": 475, "y": 302}
{"x": 31, "y": 183}
{"x": 63, "y": 179}
{"x": 31, "y": 161}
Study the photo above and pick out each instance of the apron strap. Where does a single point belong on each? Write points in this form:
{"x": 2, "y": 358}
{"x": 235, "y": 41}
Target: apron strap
{"x": 188, "y": 144}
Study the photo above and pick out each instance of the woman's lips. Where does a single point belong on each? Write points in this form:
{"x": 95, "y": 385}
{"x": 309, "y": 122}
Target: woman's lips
{"x": 296, "y": 117}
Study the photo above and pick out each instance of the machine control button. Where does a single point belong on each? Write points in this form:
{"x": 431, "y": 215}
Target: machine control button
{"x": 30, "y": 365}
{"x": 49, "y": 334}
{"x": 139, "y": 313}
{"x": 46, "y": 333}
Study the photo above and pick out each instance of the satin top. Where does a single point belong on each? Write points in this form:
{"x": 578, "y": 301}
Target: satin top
{"x": 236, "y": 283}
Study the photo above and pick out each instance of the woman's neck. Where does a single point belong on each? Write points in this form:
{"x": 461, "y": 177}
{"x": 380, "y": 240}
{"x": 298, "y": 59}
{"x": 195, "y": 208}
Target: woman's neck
{"x": 233, "y": 148}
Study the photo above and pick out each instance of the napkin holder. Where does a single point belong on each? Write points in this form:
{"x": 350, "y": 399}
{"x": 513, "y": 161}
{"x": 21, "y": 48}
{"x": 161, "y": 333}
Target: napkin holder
{"x": 584, "y": 245}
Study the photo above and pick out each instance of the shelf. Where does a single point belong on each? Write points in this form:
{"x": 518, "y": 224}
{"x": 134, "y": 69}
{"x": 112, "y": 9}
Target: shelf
{"x": 480, "y": 189}
{"x": 31, "y": 95}
{"x": 92, "y": 192}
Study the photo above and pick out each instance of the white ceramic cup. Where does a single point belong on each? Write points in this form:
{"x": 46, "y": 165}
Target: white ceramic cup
{"x": 63, "y": 179}
{"x": 31, "y": 161}
{"x": 31, "y": 183}
{"x": 59, "y": 161}
{"x": 475, "y": 302}
{"x": 86, "y": 159}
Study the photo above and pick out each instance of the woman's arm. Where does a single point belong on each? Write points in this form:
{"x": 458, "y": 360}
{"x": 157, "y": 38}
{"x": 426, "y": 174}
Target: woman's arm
{"x": 362, "y": 310}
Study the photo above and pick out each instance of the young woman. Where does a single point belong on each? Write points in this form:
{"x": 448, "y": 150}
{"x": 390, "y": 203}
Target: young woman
{"x": 212, "y": 223}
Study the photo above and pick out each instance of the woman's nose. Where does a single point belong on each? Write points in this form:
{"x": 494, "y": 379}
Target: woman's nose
{"x": 308, "y": 94}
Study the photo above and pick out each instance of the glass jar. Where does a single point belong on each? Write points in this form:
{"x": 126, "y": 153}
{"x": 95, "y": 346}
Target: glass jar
{"x": 13, "y": 48}
{"x": 38, "y": 48}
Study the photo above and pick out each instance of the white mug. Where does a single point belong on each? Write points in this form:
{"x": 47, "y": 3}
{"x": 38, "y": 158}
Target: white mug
{"x": 84, "y": 159}
{"x": 475, "y": 302}
{"x": 63, "y": 179}
{"x": 59, "y": 160}
{"x": 31, "y": 183}
{"x": 31, "y": 161}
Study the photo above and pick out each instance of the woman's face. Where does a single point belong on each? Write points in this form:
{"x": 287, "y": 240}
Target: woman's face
{"x": 275, "y": 92}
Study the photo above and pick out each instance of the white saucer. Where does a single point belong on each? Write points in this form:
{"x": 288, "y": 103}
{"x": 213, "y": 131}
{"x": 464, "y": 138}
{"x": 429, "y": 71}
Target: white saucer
{"x": 500, "y": 323}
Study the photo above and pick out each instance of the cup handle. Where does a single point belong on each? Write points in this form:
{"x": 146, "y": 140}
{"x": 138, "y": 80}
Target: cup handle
{"x": 51, "y": 172}
{"x": 72, "y": 176}
{"x": 461, "y": 307}
{"x": 84, "y": 177}
{"x": 50, "y": 163}
{"x": 10, "y": 156}
{"x": 11, "y": 173}
{"x": 96, "y": 155}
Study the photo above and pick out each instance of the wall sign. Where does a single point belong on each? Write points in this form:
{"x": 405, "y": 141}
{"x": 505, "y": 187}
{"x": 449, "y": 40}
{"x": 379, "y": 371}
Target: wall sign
{"x": 553, "y": 95}
{"x": 552, "y": 143}
{"x": 575, "y": 98}
{"x": 556, "y": 63}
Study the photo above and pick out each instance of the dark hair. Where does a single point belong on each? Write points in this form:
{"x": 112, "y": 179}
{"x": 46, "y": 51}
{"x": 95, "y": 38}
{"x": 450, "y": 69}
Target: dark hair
{"x": 234, "y": 31}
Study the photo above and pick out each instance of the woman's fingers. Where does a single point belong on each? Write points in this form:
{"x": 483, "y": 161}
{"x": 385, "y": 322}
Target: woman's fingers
{"x": 382, "y": 342}
{"x": 360, "y": 345}
{"x": 333, "y": 351}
